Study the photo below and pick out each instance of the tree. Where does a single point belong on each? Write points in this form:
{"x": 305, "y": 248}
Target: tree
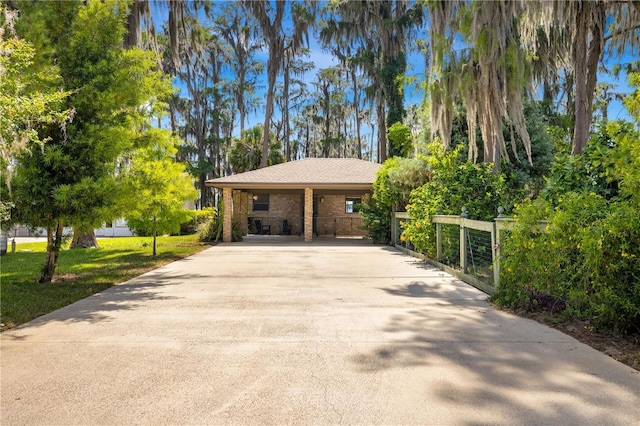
{"x": 246, "y": 152}
{"x": 198, "y": 66}
{"x": 490, "y": 76}
{"x": 400, "y": 137}
{"x": 380, "y": 29}
{"x": 270, "y": 17}
{"x": 114, "y": 92}
{"x": 239, "y": 31}
{"x": 584, "y": 31}
{"x": 158, "y": 187}
{"x": 27, "y": 100}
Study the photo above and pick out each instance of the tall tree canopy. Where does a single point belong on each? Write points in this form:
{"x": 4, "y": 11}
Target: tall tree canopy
{"x": 70, "y": 182}
{"x": 281, "y": 47}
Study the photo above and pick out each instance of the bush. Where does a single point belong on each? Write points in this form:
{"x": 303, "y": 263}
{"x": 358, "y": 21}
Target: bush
{"x": 197, "y": 217}
{"x": 589, "y": 258}
{"x": 391, "y": 190}
{"x": 586, "y": 258}
{"x": 376, "y": 219}
{"x": 211, "y": 228}
{"x": 454, "y": 184}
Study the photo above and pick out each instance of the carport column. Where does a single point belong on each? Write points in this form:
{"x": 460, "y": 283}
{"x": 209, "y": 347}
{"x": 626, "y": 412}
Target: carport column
{"x": 226, "y": 220}
{"x": 308, "y": 215}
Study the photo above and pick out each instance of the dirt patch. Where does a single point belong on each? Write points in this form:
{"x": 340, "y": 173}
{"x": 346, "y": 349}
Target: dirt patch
{"x": 624, "y": 349}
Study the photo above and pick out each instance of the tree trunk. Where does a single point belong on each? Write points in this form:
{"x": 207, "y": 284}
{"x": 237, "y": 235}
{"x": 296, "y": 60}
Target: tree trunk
{"x": 590, "y": 25}
{"x": 82, "y": 239}
{"x": 285, "y": 111}
{"x": 264, "y": 160}
{"x": 356, "y": 105}
{"x": 155, "y": 235}
{"x": 382, "y": 131}
{"x": 54, "y": 241}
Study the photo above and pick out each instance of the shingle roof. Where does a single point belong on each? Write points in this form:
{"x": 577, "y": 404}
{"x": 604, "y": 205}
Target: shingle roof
{"x": 309, "y": 172}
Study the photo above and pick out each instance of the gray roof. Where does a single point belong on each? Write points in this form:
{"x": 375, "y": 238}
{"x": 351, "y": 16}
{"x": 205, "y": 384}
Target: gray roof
{"x": 317, "y": 173}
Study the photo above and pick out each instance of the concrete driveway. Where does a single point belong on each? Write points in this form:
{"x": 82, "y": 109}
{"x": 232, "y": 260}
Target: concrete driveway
{"x": 322, "y": 333}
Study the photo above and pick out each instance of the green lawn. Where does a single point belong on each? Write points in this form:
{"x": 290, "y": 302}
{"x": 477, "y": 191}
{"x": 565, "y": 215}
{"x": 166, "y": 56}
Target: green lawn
{"x": 80, "y": 272}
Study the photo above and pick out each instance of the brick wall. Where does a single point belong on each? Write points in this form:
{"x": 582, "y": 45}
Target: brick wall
{"x": 332, "y": 216}
{"x": 281, "y": 207}
{"x": 334, "y": 220}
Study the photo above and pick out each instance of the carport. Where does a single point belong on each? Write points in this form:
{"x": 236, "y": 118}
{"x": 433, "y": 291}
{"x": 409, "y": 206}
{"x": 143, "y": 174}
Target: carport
{"x": 306, "y": 197}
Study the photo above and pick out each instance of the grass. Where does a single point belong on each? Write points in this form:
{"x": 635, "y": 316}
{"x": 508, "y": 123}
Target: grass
{"x": 80, "y": 272}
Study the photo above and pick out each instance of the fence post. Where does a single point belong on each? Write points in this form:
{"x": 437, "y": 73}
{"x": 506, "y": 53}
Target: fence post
{"x": 393, "y": 229}
{"x": 463, "y": 242}
{"x": 495, "y": 247}
{"x": 438, "y": 239}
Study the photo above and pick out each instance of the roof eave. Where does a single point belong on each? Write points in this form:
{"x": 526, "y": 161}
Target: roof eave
{"x": 278, "y": 186}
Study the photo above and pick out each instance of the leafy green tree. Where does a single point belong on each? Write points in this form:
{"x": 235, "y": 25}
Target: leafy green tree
{"x": 25, "y": 103}
{"x": 114, "y": 92}
{"x": 158, "y": 186}
{"x": 380, "y": 30}
{"x": 454, "y": 183}
{"x": 627, "y": 160}
{"x": 400, "y": 140}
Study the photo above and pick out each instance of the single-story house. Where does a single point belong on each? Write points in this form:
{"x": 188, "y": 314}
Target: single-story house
{"x": 313, "y": 196}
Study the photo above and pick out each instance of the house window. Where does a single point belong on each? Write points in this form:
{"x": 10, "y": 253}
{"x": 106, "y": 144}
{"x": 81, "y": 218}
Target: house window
{"x": 261, "y": 203}
{"x": 352, "y": 205}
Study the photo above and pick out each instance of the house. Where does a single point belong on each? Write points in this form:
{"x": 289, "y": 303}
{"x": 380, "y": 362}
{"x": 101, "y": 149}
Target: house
{"x": 313, "y": 196}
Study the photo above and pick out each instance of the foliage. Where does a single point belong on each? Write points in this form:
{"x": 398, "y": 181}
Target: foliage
{"x": 196, "y": 218}
{"x": 588, "y": 259}
{"x": 246, "y": 152}
{"x": 593, "y": 171}
{"x": 454, "y": 184}
{"x": 524, "y": 179}
{"x": 377, "y": 219}
{"x": 400, "y": 140}
{"x": 585, "y": 258}
{"x": 23, "y": 106}
{"x": 159, "y": 187}
{"x": 80, "y": 273}
{"x": 114, "y": 92}
{"x": 398, "y": 177}
{"x": 211, "y": 229}
{"x": 391, "y": 188}
{"x": 627, "y": 158}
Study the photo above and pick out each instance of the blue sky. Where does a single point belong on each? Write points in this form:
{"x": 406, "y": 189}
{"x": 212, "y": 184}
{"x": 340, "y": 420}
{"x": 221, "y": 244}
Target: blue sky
{"x": 324, "y": 59}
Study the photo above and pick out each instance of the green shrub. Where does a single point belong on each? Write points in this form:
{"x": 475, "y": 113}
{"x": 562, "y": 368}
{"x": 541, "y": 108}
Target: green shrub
{"x": 196, "y": 218}
{"x": 376, "y": 219}
{"x": 454, "y": 184}
{"x": 211, "y": 228}
{"x": 391, "y": 190}
{"x": 585, "y": 257}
